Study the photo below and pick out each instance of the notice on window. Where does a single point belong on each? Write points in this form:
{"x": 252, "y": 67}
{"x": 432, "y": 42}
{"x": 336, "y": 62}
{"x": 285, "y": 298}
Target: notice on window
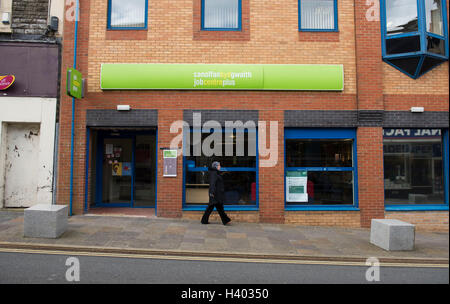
{"x": 170, "y": 163}
{"x": 296, "y": 186}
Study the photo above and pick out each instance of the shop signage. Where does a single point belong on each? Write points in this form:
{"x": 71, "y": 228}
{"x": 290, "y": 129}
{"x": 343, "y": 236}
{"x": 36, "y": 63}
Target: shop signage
{"x": 74, "y": 84}
{"x": 170, "y": 163}
{"x": 296, "y": 186}
{"x": 6, "y": 81}
{"x": 411, "y": 132}
{"x": 308, "y": 77}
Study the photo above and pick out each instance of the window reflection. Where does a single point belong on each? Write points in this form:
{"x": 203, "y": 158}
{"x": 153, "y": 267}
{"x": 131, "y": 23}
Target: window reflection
{"x": 401, "y": 16}
{"x": 413, "y": 167}
{"x": 130, "y": 13}
{"x": 221, "y": 14}
{"x": 433, "y": 11}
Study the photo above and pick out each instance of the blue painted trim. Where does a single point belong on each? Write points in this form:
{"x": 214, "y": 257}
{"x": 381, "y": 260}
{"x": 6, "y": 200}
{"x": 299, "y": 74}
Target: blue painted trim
{"x": 416, "y": 208}
{"x": 323, "y": 169}
{"x": 109, "y": 27}
{"x": 322, "y": 208}
{"x": 86, "y": 174}
{"x": 419, "y": 67}
{"x": 224, "y": 169}
{"x": 156, "y": 173}
{"x": 319, "y": 133}
{"x": 226, "y": 207}
{"x": 421, "y": 14}
{"x": 403, "y": 35}
{"x": 133, "y": 167}
{"x": 114, "y": 205}
{"x": 72, "y": 148}
{"x": 446, "y": 165}
{"x": 232, "y": 29}
{"x": 336, "y": 22}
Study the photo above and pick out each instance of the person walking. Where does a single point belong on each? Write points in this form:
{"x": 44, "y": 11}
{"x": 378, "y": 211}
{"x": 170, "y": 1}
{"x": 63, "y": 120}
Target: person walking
{"x": 216, "y": 195}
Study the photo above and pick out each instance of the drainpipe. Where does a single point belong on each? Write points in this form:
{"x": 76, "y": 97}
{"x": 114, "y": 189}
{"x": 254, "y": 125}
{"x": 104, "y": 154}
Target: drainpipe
{"x": 73, "y": 107}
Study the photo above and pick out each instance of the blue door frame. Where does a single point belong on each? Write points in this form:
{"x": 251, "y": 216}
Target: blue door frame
{"x": 102, "y": 135}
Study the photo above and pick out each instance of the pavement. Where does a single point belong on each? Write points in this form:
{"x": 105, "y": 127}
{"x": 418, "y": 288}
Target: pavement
{"x": 126, "y": 234}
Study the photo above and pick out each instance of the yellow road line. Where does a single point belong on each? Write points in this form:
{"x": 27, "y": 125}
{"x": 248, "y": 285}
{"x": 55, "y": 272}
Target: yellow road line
{"x": 217, "y": 259}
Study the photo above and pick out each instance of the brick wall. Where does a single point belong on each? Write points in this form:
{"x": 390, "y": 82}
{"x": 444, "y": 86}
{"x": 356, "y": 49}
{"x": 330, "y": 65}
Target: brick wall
{"x": 29, "y": 17}
{"x": 424, "y": 220}
{"x": 273, "y": 37}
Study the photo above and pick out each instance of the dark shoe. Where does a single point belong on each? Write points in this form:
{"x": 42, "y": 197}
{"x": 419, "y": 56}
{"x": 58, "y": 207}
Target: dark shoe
{"x": 205, "y": 223}
{"x": 227, "y": 222}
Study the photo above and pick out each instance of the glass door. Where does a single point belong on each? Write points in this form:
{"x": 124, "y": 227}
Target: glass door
{"x": 117, "y": 172}
{"x": 145, "y": 171}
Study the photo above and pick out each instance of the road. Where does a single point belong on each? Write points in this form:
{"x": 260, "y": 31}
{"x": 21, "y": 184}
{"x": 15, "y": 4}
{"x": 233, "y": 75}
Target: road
{"x": 30, "y": 268}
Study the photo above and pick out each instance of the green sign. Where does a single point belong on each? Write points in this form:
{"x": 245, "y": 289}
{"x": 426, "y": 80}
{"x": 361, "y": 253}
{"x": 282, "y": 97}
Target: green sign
{"x": 74, "y": 83}
{"x": 222, "y": 77}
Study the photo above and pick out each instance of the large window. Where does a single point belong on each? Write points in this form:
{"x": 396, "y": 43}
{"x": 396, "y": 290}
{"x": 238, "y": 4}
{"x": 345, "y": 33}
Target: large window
{"x": 414, "y": 33}
{"x": 320, "y": 167}
{"x": 221, "y": 14}
{"x": 236, "y": 152}
{"x": 318, "y": 15}
{"x": 414, "y": 166}
{"x": 129, "y": 14}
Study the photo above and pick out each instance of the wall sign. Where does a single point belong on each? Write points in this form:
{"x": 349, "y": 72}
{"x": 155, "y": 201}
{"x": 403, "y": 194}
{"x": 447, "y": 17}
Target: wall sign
{"x": 74, "y": 84}
{"x": 296, "y": 186}
{"x": 308, "y": 77}
{"x": 6, "y": 81}
{"x": 170, "y": 163}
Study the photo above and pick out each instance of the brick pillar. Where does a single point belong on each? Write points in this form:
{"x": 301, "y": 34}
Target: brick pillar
{"x": 169, "y": 189}
{"x": 370, "y": 106}
{"x": 65, "y": 113}
{"x": 271, "y": 179}
{"x": 370, "y": 174}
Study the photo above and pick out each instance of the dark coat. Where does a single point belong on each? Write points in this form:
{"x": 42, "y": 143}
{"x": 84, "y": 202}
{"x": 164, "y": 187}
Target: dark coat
{"x": 216, "y": 187}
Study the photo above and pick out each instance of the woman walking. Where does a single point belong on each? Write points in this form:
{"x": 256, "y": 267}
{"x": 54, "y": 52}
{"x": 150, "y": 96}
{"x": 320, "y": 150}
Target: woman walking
{"x": 216, "y": 194}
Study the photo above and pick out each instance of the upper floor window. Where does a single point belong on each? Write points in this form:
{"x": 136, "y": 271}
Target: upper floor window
{"x": 221, "y": 14}
{"x": 318, "y": 15}
{"x": 414, "y": 32}
{"x": 129, "y": 14}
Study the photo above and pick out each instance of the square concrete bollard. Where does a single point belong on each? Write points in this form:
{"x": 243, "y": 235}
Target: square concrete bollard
{"x": 392, "y": 235}
{"x": 45, "y": 221}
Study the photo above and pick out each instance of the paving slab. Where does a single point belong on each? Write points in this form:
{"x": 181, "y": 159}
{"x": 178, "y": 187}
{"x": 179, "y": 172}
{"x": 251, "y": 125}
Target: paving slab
{"x": 181, "y": 236}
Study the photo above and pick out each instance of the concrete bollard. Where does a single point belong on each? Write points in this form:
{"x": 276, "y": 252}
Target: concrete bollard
{"x": 45, "y": 221}
{"x": 392, "y": 235}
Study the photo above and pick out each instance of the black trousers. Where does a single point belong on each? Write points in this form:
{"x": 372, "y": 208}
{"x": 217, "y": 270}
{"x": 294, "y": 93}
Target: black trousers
{"x": 219, "y": 207}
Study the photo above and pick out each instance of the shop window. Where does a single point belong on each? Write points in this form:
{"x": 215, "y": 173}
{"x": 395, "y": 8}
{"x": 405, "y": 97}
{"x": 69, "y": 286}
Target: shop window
{"x": 318, "y": 15}
{"x": 130, "y": 14}
{"x": 221, "y": 14}
{"x": 414, "y": 33}
{"x": 320, "y": 168}
{"x": 236, "y": 152}
{"x": 414, "y": 162}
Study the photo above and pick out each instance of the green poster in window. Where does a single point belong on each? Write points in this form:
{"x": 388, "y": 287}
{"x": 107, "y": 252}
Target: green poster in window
{"x": 296, "y": 185}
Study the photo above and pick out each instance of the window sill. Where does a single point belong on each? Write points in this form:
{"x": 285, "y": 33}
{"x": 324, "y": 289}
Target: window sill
{"x": 417, "y": 208}
{"x": 321, "y": 208}
{"x": 227, "y": 208}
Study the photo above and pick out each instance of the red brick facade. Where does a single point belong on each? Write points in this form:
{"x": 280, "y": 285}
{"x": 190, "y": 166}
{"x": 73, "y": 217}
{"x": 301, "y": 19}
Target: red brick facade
{"x": 269, "y": 35}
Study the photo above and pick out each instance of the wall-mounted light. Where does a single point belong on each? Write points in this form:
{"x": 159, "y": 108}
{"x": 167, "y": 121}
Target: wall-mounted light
{"x": 417, "y": 110}
{"x": 123, "y": 108}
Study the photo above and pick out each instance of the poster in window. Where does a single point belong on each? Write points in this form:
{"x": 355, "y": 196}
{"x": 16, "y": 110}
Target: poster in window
{"x": 170, "y": 163}
{"x": 296, "y": 186}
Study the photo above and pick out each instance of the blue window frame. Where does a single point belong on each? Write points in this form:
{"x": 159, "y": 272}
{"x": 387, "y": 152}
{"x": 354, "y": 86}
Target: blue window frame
{"x": 416, "y": 168}
{"x": 127, "y": 15}
{"x": 221, "y": 15}
{"x": 317, "y": 15}
{"x": 240, "y": 172}
{"x": 327, "y": 157}
{"x": 414, "y": 35}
